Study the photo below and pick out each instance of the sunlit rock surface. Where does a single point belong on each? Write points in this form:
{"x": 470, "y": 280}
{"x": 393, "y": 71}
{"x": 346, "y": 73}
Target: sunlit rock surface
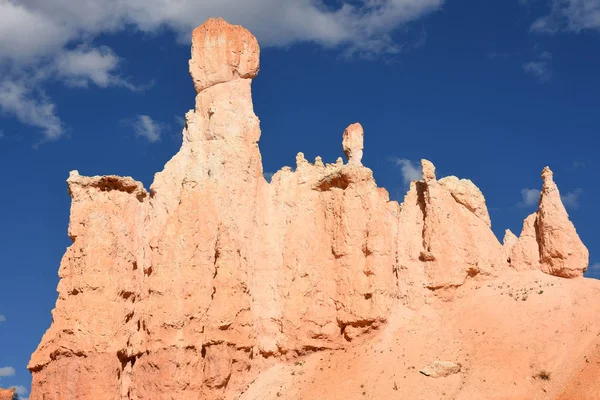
{"x": 214, "y": 284}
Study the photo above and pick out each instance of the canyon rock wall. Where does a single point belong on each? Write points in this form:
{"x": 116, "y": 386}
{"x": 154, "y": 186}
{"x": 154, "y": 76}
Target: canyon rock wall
{"x": 214, "y": 277}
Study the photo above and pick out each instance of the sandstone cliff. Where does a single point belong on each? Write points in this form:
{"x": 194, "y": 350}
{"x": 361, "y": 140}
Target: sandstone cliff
{"x": 215, "y": 284}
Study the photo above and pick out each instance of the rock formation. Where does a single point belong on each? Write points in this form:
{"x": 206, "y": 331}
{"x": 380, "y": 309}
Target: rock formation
{"x": 7, "y": 394}
{"x": 215, "y": 284}
{"x": 549, "y": 241}
{"x": 353, "y": 143}
{"x": 440, "y": 369}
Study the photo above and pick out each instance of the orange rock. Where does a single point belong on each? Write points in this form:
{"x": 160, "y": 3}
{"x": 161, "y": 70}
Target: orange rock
{"x": 353, "y": 143}
{"x": 561, "y": 251}
{"x": 549, "y": 240}
{"x": 215, "y": 284}
{"x": 7, "y": 394}
{"x": 222, "y": 52}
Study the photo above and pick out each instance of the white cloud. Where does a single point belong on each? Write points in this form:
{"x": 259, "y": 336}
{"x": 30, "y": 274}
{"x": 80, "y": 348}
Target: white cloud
{"x": 569, "y": 15}
{"x": 571, "y": 199}
{"x": 30, "y": 106}
{"x": 20, "y": 390}
{"x": 7, "y": 371}
{"x": 27, "y": 33}
{"x": 2, "y": 318}
{"x": 180, "y": 121}
{"x": 144, "y": 126}
{"x": 83, "y": 65}
{"x": 34, "y": 35}
{"x": 410, "y": 171}
{"x": 530, "y": 197}
{"x": 541, "y": 70}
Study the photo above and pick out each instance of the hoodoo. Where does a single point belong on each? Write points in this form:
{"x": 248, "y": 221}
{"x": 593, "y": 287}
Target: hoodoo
{"x": 215, "y": 284}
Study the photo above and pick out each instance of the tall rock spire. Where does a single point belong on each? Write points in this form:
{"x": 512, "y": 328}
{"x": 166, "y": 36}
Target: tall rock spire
{"x": 549, "y": 240}
{"x": 562, "y": 253}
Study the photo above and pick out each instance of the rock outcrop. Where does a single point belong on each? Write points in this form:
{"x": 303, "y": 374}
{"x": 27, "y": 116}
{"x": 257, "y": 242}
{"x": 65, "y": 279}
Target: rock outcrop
{"x": 561, "y": 251}
{"x": 440, "y": 369}
{"x": 549, "y": 240}
{"x": 353, "y": 143}
{"x": 7, "y": 394}
{"x": 215, "y": 284}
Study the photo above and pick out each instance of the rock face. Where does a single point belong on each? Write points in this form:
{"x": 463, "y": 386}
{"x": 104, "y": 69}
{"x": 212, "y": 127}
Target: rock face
{"x": 7, "y": 394}
{"x": 215, "y": 284}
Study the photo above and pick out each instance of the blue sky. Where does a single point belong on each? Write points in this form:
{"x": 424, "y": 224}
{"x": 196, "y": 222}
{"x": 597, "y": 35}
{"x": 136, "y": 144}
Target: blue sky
{"x": 491, "y": 91}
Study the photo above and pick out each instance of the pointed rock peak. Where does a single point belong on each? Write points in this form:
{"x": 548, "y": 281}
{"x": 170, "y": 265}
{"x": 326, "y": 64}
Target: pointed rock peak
{"x": 300, "y": 160}
{"x": 509, "y": 238}
{"x": 353, "y": 143}
{"x": 319, "y": 162}
{"x": 562, "y": 253}
{"x": 222, "y": 52}
{"x": 428, "y": 170}
{"x": 548, "y": 181}
{"x": 547, "y": 174}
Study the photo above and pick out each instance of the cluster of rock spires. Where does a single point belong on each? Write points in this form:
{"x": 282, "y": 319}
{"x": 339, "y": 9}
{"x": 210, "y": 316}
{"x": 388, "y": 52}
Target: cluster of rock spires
{"x": 216, "y": 284}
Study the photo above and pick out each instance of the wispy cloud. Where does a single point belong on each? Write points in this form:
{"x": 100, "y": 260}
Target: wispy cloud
{"x": 594, "y": 267}
{"x": 410, "y": 171}
{"x": 146, "y": 127}
{"x": 85, "y": 65}
{"x": 2, "y": 318}
{"x": 530, "y": 197}
{"x": 571, "y": 199}
{"x": 569, "y": 15}
{"x": 180, "y": 121}
{"x": 7, "y": 371}
{"x": 540, "y": 70}
{"x": 21, "y": 391}
{"x": 30, "y": 106}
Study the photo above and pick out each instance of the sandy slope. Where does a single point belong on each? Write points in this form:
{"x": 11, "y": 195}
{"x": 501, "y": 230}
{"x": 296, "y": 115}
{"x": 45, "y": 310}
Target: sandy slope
{"x": 523, "y": 336}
